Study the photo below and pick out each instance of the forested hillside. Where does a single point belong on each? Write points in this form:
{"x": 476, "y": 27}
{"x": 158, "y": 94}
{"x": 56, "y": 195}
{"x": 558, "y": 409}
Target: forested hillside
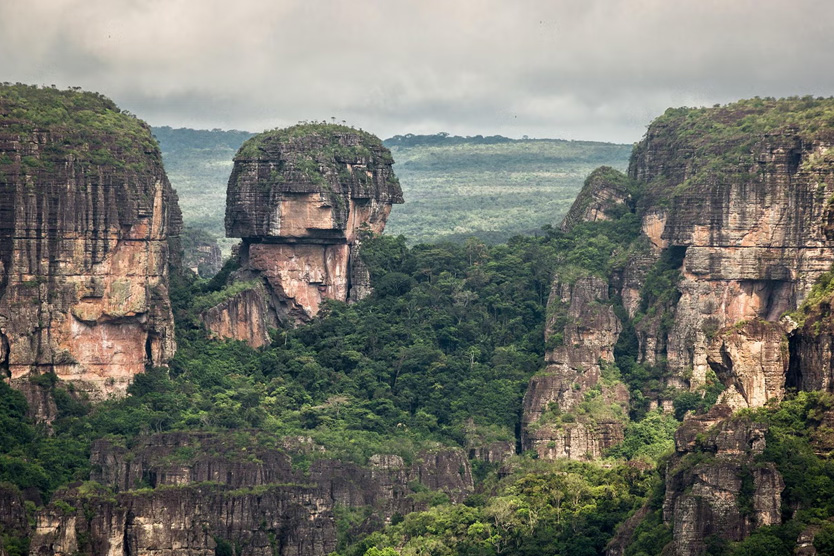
{"x": 490, "y": 187}
{"x": 653, "y": 377}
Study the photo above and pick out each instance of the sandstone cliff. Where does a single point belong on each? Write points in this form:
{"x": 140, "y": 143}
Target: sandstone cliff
{"x": 211, "y": 490}
{"x": 735, "y": 207}
{"x": 86, "y": 216}
{"x": 716, "y": 485}
{"x": 301, "y": 198}
{"x": 569, "y": 409}
{"x": 605, "y": 193}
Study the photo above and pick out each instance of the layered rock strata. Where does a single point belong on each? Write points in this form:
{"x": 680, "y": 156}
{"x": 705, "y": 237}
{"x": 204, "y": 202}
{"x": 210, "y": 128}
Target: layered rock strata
{"x": 606, "y": 192}
{"x": 246, "y": 315}
{"x": 743, "y": 219}
{"x": 748, "y": 213}
{"x": 569, "y": 409}
{"x": 210, "y": 491}
{"x": 86, "y": 216}
{"x": 301, "y": 199}
{"x": 739, "y": 202}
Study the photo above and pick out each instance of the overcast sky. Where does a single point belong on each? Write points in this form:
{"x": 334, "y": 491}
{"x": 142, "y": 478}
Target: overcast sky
{"x": 575, "y": 69}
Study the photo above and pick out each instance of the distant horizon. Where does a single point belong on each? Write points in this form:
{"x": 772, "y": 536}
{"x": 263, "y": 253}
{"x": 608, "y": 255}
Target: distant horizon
{"x": 450, "y": 136}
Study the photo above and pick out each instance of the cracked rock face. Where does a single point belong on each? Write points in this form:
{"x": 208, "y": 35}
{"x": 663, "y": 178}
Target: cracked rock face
{"x": 726, "y": 492}
{"x": 751, "y": 227}
{"x": 86, "y": 216}
{"x": 301, "y": 199}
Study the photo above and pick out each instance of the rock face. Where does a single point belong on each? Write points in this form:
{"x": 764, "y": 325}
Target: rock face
{"x": 751, "y": 358}
{"x": 572, "y": 383}
{"x": 728, "y": 493}
{"x": 735, "y": 210}
{"x": 86, "y": 216}
{"x": 748, "y": 213}
{"x": 300, "y": 198}
{"x": 247, "y": 315}
{"x": 208, "y": 490}
{"x": 605, "y": 192}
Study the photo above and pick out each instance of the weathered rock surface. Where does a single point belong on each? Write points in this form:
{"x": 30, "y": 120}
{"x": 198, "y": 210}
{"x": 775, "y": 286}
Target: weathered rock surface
{"x": 727, "y": 493}
{"x": 751, "y": 358}
{"x": 581, "y": 335}
{"x": 736, "y": 227}
{"x": 86, "y": 216}
{"x": 247, "y": 315}
{"x": 301, "y": 198}
{"x": 811, "y": 342}
{"x": 752, "y": 226}
{"x": 208, "y": 488}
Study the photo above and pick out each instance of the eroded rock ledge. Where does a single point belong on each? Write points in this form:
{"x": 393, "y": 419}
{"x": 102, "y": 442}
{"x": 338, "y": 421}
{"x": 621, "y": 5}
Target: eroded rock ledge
{"x": 189, "y": 493}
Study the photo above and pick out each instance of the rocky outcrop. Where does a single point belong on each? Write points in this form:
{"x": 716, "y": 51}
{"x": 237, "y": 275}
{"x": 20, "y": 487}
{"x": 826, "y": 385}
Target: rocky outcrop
{"x": 736, "y": 210}
{"x": 605, "y": 193}
{"x": 209, "y": 489}
{"x": 301, "y": 199}
{"x": 716, "y": 486}
{"x": 751, "y": 358}
{"x": 86, "y": 216}
{"x": 569, "y": 409}
{"x": 246, "y": 315}
{"x": 811, "y": 341}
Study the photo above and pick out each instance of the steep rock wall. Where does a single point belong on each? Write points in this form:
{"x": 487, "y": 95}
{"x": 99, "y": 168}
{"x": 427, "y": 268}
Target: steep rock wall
{"x": 572, "y": 383}
{"x": 728, "y": 493}
{"x": 86, "y": 216}
{"x": 737, "y": 199}
{"x": 747, "y": 209}
{"x": 247, "y": 315}
{"x": 301, "y": 198}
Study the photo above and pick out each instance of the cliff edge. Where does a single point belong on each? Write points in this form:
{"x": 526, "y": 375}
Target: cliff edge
{"x": 86, "y": 218}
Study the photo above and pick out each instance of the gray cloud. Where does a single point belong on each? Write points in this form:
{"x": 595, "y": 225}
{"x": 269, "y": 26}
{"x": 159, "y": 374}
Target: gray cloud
{"x": 584, "y": 69}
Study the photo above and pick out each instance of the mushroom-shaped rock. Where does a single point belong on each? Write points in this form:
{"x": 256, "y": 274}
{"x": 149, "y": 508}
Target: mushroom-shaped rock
{"x": 299, "y": 198}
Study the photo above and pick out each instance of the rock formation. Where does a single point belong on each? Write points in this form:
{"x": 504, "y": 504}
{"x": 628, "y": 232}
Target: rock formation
{"x": 726, "y": 493}
{"x": 751, "y": 359}
{"x": 748, "y": 213}
{"x": 735, "y": 203}
{"x": 301, "y": 198}
{"x": 209, "y": 489}
{"x": 605, "y": 192}
{"x": 86, "y": 216}
{"x": 743, "y": 217}
{"x": 581, "y": 343}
